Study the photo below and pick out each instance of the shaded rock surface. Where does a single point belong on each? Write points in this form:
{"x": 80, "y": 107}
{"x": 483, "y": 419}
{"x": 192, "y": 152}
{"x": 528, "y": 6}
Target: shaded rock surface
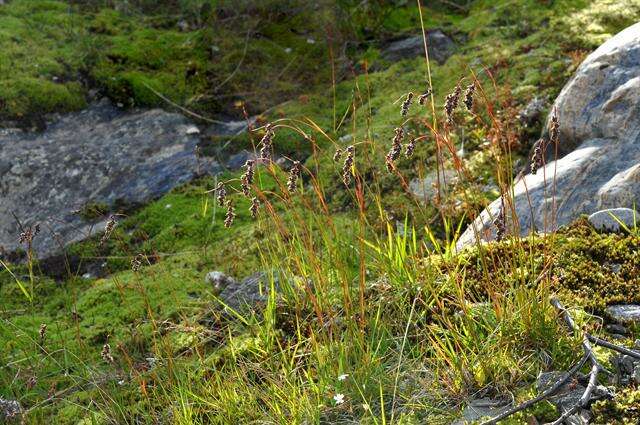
{"x": 610, "y": 219}
{"x": 599, "y": 148}
{"x": 101, "y": 155}
{"x": 219, "y": 281}
{"x": 425, "y": 189}
{"x": 569, "y": 394}
{"x": 480, "y": 408}
{"x": 624, "y": 313}
{"x": 248, "y": 294}
{"x": 440, "y": 47}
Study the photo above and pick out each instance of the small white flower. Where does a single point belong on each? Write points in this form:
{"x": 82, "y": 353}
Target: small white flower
{"x": 338, "y": 398}
{"x": 365, "y": 406}
{"x": 343, "y": 377}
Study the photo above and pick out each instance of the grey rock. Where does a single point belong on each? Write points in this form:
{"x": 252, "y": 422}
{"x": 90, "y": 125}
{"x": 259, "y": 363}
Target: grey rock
{"x": 10, "y": 411}
{"x": 440, "y": 46}
{"x": 237, "y": 161}
{"x": 346, "y": 138}
{"x": 610, "y": 219}
{"x": 616, "y": 329}
{"x": 532, "y": 111}
{"x": 598, "y": 165}
{"x": 249, "y": 294}
{"x": 425, "y": 189}
{"x": 569, "y": 394}
{"x": 219, "y": 281}
{"x": 624, "y": 313}
{"x": 100, "y": 155}
{"x": 228, "y": 128}
{"x": 627, "y": 369}
{"x": 480, "y": 408}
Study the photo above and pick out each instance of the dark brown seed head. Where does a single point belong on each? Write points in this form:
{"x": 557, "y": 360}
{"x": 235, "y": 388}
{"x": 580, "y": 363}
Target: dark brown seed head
{"x": 451, "y": 103}
{"x": 554, "y": 131}
{"x": 253, "y": 209}
{"x": 221, "y": 193}
{"x": 348, "y": 165}
{"x": 42, "y": 333}
{"x": 396, "y": 149}
{"x": 111, "y": 224}
{"x": 136, "y": 263}
{"x": 247, "y": 177}
{"x": 406, "y": 104}
{"x": 267, "y": 142}
{"x": 410, "y": 148}
{"x": 537, "y": 158}
{"x": 294, "y": 174}
{"x": 468, "y": 96}
{"x": 337, "y": 155}
{"x": 422, "y": 99}
{"x": 106, "y": 354}
{"x": 231, "y": 214}
{"x": 27, "y": 235}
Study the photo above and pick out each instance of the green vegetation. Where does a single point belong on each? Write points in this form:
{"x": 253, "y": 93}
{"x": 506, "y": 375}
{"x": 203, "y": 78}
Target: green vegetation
{"x": 376, "y": 318}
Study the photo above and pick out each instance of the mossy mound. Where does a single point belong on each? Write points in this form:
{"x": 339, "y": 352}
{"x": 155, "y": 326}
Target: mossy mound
{"x": 588, "y": 268}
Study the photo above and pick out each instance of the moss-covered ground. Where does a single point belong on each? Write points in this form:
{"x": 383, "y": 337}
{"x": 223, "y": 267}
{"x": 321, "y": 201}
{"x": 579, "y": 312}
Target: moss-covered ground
{"x": 408, "y": 333}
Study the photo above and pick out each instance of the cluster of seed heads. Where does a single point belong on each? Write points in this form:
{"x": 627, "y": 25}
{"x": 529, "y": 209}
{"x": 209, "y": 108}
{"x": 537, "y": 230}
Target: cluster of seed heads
{"x": 406, "y": 104}
{"x": 231, "y": 214}
{"x": 451, "y": 103}
{"x": 136, "y": 263}
{"x": 27, "y": 235}
{"x": 468, "y": 96}
{"x": 112, "y": 222}
{"x": 42, "y": 333}
{"x": 422, "y": 99}
{"x": 501, "y": 225}
{"x": 337, "y": 155}
{"x": 396, "y": 148}
{"x": 247, "y": 177}
{"x": 267, "y": 142}
{"x": 221, "y": 194}
{"x": 347, "y": 165}
{"x": 537, "y": 157}
{"x": 294, "y": 175}
{"x": 106, "y": 354}
{"x": 253, "y": 209}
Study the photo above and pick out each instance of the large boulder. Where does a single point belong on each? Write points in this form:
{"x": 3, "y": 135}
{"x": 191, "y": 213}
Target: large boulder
{"x": 599, "y": 148}
{"x": 99, "y": 156}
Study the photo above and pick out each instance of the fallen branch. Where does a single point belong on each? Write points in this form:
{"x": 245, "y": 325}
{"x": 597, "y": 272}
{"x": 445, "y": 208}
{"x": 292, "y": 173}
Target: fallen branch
{"x": 589, "y": 355}
{"x": 548, "y": 392}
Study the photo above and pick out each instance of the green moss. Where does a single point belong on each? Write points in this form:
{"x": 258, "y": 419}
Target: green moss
{"x": 590, "y": 269}
{"x": 623, "y": 409}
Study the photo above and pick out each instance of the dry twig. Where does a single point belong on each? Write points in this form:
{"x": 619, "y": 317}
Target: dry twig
{"x": 588, "y": 355}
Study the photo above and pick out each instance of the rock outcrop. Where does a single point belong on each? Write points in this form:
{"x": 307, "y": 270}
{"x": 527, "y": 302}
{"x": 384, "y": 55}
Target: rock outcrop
{"x": 100, "y": 156}
{"x": 598, "y": 165}
{"x": 440, "y": 46}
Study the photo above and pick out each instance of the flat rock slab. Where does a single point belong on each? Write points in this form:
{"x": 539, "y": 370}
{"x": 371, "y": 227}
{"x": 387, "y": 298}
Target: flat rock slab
{"x": 482, "y": 408}
{"x": 624, "y": 313}
{"x": 599, "y": 148}
{"x": 613, "y": 219}
{"x": 101, "y": 155}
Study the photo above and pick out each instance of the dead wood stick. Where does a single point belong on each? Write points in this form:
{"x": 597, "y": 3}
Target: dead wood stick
{"x": 546, "y": 393}
{"x": 620, "y": 349}
{"x": 589, "y": 355}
